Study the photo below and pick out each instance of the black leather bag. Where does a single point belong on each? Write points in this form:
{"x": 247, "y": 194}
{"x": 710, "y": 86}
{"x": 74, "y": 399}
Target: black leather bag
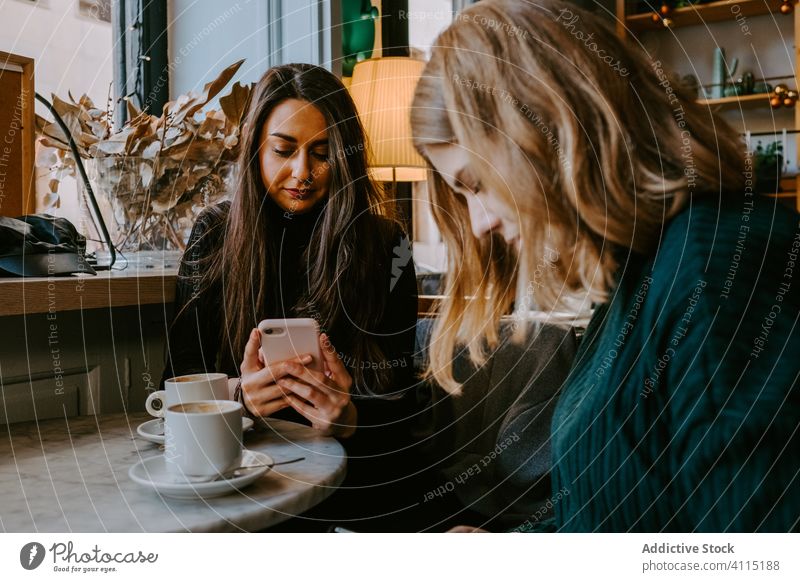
{"x": 41, "y": 245}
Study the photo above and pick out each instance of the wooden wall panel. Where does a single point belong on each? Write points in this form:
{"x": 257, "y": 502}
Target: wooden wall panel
{"x": 17, "y": 135}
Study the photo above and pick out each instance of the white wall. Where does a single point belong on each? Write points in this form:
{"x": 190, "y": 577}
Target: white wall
{"x": 426, "y": 19}
{"x": 72, "y": 52}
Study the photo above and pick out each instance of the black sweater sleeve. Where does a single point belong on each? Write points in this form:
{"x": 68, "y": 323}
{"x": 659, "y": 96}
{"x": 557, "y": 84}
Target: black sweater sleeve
{"x": 193, "y": 337}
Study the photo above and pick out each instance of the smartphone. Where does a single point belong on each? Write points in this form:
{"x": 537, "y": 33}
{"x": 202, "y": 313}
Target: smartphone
{"x": 286, "y": 339}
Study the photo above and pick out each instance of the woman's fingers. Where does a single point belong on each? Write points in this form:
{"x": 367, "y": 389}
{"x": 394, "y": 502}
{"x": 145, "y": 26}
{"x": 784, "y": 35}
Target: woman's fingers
{"x": 251, "y": 401}
{"x": 306, "y": 410}
{"x": 312, "y": 394}
{"x": 264, "y": 395}
{"x": 467, "y": 529}
{"x": 259, "y": 392}
{"x": 332, "y": 362}
{"x": 273, "y": 372}
{"x": 271, "y": 407}
{"x": 322, "y": 398}
{"x": 313, "y": 378}
{"x": 250, "y": 363}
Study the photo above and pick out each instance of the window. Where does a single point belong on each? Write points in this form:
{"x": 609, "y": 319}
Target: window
{"x": 72, "y": 50}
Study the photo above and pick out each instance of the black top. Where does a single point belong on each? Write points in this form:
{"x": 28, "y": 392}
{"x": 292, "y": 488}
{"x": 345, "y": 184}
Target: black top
{"x": 194, "y": 340}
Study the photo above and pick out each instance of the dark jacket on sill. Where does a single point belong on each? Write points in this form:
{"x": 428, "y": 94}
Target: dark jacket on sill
{"x": 194, "y": 341}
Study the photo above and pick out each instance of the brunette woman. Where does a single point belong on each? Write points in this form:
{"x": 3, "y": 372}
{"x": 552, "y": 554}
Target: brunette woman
{"x": 306, "y": 234}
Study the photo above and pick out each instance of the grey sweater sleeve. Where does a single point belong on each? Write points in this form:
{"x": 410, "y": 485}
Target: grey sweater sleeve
{"x": 510, "y": 482}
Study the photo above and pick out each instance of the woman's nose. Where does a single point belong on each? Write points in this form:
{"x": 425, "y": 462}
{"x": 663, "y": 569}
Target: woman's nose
{"x": 301, "y": 170}
{"x": 482, "y": 219}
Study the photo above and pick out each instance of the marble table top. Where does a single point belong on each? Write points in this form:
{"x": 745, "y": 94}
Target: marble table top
{"x": 71, "y": 475}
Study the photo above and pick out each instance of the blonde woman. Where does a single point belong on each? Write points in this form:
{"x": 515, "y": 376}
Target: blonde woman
{"x": 590, "y": 179}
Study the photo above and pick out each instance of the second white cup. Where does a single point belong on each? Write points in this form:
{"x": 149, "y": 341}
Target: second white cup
{"x": 188, "y": 388}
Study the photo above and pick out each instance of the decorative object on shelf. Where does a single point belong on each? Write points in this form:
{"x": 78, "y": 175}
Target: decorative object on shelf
{"x": 768, "y": 167}
{"x": 742, "y": 86}
{"x": 733, "y": 90}
{"x": 787, "y": 6}
{"x": 760, "y": 87}
{"x": 747, "y": 82}
{"x": 783, "y": 96}
{"x": 155, "y": 173}
{"x": 721, "y": 72}
{"x": 663, "y": 14}
{"x": 153, "y": 202}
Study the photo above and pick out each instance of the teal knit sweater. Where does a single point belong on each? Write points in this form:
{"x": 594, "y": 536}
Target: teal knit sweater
{"x": 682, "y": 412}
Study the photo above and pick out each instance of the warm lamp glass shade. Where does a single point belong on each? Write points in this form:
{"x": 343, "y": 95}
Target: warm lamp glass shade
{"x": 383, "y": 90}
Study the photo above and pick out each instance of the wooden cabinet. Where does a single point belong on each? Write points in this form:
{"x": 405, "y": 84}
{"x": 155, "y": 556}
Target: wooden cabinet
{"x": 17, "y": 135}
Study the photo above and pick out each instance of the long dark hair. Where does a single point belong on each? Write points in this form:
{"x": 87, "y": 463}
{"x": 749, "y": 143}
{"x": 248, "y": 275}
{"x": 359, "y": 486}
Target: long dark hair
{"x": 348, "y": 243}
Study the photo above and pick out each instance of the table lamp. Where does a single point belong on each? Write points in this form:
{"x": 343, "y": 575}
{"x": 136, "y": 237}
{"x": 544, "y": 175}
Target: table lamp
{"x": 383, "y": 90}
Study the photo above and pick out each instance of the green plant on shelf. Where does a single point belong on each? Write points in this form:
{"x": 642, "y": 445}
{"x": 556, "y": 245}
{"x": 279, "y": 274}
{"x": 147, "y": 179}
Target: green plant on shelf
{"x": 768, "y": 167}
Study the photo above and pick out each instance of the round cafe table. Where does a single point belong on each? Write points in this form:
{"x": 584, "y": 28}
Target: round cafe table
{"x": 71, "y": 475}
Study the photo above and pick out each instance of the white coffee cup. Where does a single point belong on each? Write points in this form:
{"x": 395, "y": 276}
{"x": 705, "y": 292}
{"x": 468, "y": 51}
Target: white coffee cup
{"x": 188, "y": 388}
{"x": 203, "y": 440}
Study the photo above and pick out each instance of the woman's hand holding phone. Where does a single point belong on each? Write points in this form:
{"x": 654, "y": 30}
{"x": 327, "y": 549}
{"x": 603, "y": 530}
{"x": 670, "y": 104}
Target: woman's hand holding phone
{"x": 321, "y": 397}
{"x": 260, "y": 393}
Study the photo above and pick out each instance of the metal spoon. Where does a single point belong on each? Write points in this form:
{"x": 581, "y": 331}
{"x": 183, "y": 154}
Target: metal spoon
{"x": 232, "y": 472}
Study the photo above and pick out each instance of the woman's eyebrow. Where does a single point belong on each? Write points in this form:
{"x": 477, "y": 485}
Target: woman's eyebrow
{"x": 283, "y": 136}
{"x": 289, "y": 138}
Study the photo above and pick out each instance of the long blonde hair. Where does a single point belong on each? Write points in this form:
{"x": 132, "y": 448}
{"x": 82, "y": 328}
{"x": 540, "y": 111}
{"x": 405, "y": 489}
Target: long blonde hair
{"x": 593, "y": 145}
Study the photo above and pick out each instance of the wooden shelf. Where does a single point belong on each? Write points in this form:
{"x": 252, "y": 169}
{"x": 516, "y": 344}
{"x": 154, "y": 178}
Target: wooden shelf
{"x": 24, "y": 296}
{"x": 107, "y": 289}
{"x": 704, "y": 13}
{"x": 739, "y": 101}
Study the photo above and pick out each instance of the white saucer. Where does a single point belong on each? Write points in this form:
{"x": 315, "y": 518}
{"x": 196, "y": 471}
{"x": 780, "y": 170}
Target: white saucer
{"x": 153, "y": 430}
{"x": 152, "y": 473}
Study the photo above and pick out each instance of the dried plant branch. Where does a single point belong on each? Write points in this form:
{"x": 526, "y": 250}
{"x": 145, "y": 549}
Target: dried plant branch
{"x": 155, "y": 171}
